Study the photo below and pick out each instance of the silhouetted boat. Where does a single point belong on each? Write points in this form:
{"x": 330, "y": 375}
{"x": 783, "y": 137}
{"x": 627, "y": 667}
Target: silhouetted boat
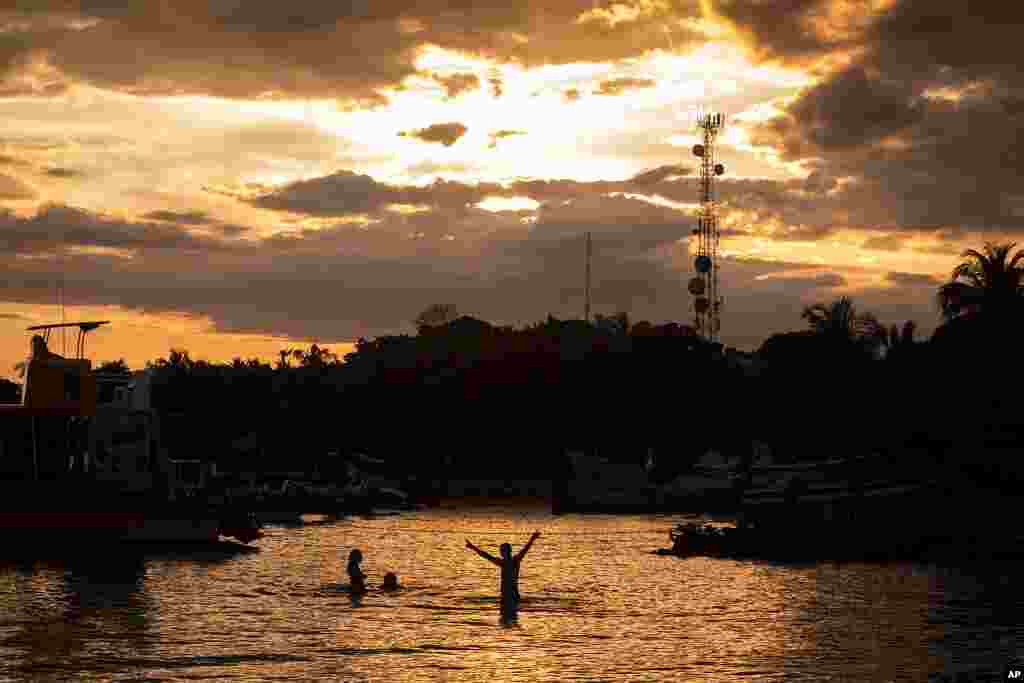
{"x": 597, "y": 484}
{"x": 280, "y": 487}
{"x": 81, "y": 461}
{"x": 831, "y": 509}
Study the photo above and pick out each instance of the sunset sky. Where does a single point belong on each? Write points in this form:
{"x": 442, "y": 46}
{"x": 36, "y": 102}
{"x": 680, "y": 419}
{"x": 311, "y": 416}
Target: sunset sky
{"x": 234, "y": 177}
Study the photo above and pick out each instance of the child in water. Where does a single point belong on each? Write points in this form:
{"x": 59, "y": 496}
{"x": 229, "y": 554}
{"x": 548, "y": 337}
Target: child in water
{"x": 390, "y": 582}
{"x": 356, "y": 577}
{"x": 509, "y": 570}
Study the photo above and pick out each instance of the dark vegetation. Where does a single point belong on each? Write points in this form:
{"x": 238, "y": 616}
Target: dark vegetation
{"x": 503, "y": 402}
{"x": 10, "y": 392}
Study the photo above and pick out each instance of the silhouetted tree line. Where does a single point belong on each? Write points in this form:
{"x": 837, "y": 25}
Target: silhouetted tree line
{"x": 506, "y": 402}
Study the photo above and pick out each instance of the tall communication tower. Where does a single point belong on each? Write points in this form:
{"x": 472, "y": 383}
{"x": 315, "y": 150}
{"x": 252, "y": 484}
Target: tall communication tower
{"x": 704, "y": 287}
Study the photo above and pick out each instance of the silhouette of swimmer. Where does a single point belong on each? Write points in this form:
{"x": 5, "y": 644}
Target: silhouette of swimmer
{"x": 390, "y": 582}
{"x": 356, "y": 577}
{"x": 509, "y": 570}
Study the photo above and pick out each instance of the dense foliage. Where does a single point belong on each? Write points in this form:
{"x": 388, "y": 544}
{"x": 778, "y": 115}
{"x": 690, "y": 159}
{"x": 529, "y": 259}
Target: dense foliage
{"x": 505, "y": 402}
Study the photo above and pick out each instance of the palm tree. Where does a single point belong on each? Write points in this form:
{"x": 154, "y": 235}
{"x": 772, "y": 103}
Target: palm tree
{"x": 317, "y": 356}
{"x": 119, "y": 367}
{"x": 841, "y": 322}
{"x": 285, "y": 354}
{"x": 984, "y": 282}
{"x": 176, "y": 358}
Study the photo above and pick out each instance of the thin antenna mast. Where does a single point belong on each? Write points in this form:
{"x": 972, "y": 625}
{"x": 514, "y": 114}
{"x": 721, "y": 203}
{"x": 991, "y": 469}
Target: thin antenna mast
{"x": 586, "y": 309}
{"x": 63, "y": 334}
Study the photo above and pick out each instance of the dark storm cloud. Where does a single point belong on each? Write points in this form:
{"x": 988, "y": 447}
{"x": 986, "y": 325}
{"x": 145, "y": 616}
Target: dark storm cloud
{"x": 797, "y": 280}
{"x": 341, "y": 193}
{"x": 786, "y": 205}
{"x": 927, "y": 121}
{"x": 180, "y": 217}
{"x": 379, "y": 275}
{"x": 346, "y": 193}
{"x": 8, "y": 160}
{"x": 924, "y": 35}
{"x": 382, "y": 274}
{"x": 23, "y": 42}
{"x": 607, "y": 211}
{"x": 783, "y": 210}
{"x": 369, "y": 296}
{"x": 653, "y": 181}
{"x": 56, "y": 225}
{"x": 885, "y": 243}
{"x": 64, "y": 173}
{"x": 830, "y": 280}
{"x": 866, "y": 109}
{"x": 230, "y": 230}
{"x": 617, "y": 86}
{"x": 350, "y": 51}
{"x": 793, "y": 31}
{"x": 913, "y": 280}
{"x": 656, "y": 175}
{"x": 777, "y": 210}
{"x": 445, "y": 133}
{"x": 456, "y": 84}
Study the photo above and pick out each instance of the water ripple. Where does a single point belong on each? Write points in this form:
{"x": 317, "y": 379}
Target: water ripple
{"x": 597, "y": 605}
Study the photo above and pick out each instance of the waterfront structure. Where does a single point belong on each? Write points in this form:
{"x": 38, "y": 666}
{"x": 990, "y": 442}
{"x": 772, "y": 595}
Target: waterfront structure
{"x": 82, "y": 460}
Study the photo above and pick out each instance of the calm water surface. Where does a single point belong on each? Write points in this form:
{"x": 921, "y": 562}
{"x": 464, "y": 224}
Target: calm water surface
{"x": 597, "y": 606}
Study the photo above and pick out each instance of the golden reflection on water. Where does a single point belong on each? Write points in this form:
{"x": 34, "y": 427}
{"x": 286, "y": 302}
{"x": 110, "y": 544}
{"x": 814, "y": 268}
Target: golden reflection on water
{"x": 596, "y": 605}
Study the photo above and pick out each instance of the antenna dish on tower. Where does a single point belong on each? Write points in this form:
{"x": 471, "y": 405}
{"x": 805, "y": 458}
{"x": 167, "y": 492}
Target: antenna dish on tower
{"x": 698, "y": 150}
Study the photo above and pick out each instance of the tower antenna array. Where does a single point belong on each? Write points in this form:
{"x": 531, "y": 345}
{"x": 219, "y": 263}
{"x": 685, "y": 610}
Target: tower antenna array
{"x": 704, "y": 287}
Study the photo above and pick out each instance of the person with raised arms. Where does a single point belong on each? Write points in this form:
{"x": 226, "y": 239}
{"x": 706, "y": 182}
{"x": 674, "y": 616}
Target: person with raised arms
{"x": 509, "y": 565}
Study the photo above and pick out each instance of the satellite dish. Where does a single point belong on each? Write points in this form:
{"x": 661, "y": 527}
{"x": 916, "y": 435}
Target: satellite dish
{"x": 698, "y": 150}
{"x": 702, "y": 263}
{"x": 696, "y": 286}
{"x": 701, "y": 304}
{"x": 719, "y": 169}
{"x": 696, "y": 231}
